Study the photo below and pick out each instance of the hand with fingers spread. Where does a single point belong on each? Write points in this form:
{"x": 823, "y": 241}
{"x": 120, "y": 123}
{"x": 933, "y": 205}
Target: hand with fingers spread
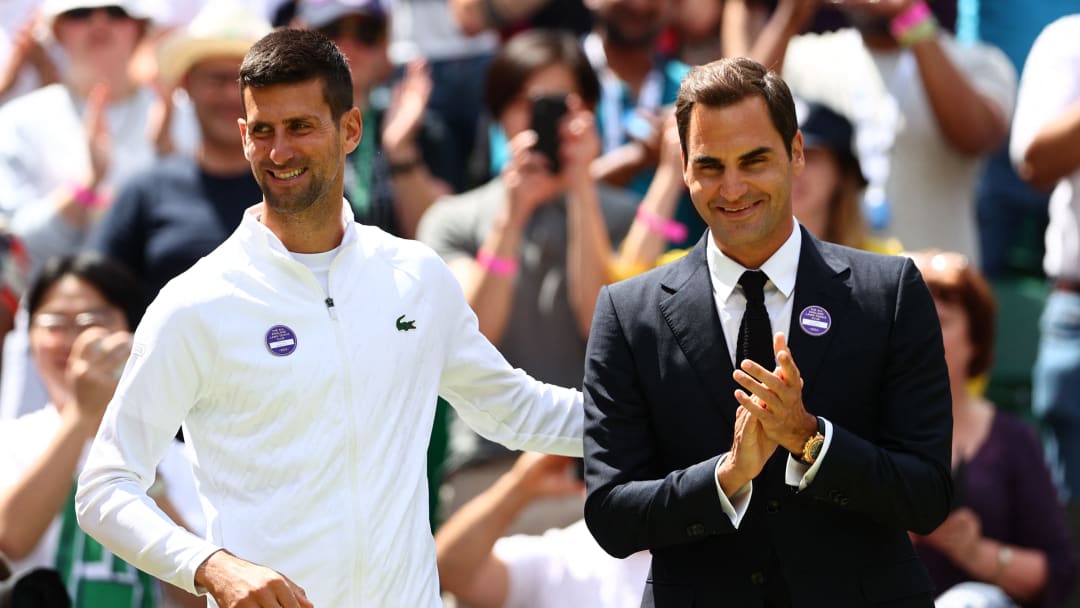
{"x": 94, "y": 367}
{"x": 238, "y": 583}
{"x": 775, "y": 398}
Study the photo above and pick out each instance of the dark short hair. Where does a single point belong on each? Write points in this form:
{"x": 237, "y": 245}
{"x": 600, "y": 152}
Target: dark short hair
{"x": 113, "y": 279}
{"x": 952, "y": 278}
{"x": 529, "y": 52}
{"x": 726, "y": 82}
{"x": 290, "y": 56}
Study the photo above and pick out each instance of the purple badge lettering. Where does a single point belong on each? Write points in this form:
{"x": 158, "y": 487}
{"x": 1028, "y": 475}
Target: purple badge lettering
{"x": 815, "y": 320}
{"x": 280, "y": 340}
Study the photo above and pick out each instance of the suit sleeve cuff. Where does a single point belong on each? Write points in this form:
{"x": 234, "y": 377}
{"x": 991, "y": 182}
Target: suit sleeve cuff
{"x": 736, "y": 506}
{"x": 801, "y": 475}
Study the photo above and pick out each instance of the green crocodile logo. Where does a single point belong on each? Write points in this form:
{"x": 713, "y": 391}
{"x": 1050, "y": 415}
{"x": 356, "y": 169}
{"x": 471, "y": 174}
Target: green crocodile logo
{"x": 403, "y": 325}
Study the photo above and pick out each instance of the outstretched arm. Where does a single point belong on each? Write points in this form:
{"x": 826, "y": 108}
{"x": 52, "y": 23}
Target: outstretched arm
{"x": 468, "y": 567}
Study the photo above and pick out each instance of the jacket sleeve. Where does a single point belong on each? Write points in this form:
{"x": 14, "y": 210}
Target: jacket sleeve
{"x": 500, "y": 402}
{"x": 901, "y": 476}
{"x": 631, "y": 505}
{"x": 159, "y": 386}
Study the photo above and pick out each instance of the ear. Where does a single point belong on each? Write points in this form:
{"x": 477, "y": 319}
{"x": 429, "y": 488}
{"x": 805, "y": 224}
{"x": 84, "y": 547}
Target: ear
{"x": 240, "y": 122}
{"x": 798, "y": 158}
{"x": 352, "y": 129}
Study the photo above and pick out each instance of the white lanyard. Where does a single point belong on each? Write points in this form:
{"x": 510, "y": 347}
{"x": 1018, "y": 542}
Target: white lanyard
{"x": 611, "y": 95}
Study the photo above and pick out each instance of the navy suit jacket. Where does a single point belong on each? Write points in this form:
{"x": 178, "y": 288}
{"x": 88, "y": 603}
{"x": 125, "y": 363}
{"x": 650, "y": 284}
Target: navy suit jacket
{"x": 660, "y": 410}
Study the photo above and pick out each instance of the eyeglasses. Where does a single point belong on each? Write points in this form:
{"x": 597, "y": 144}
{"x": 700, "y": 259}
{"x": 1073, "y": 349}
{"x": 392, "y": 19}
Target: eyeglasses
{"x": 368, "y": 32}
{"x": 83, "y": 14}
{"x": 56, "y": 322}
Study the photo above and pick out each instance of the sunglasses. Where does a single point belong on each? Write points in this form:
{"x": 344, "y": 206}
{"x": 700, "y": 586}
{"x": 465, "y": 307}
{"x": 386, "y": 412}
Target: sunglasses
{"x": 82, "y": 14}
{"x": 368, "y": 32}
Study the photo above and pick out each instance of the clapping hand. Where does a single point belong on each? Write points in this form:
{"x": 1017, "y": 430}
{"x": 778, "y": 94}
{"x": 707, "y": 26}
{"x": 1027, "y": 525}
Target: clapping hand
{"x": 775, "y": 398}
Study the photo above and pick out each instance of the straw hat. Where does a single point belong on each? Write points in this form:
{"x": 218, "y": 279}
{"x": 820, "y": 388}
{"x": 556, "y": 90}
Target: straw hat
{"x": 220, "y": 29}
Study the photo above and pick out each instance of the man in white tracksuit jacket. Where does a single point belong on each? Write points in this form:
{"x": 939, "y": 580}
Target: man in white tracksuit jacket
{"x": 303, "y": 358}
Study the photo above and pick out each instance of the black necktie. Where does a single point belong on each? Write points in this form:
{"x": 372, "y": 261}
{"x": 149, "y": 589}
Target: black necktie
{"x": 755, "y": 332}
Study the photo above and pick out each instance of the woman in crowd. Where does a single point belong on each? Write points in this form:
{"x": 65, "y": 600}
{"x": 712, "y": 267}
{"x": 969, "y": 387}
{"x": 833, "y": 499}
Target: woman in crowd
{"x": 81, "y": 312}
{"x": 1006, "y": 535}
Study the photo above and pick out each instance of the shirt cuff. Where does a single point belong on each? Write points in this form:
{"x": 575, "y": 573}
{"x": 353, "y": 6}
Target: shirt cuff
{"x": 736, "y": 506}
{"x": 800, "y": 474}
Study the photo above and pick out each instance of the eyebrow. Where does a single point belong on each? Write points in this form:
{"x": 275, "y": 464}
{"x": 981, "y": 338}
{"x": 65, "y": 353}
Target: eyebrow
{"x": 705, "y": 159}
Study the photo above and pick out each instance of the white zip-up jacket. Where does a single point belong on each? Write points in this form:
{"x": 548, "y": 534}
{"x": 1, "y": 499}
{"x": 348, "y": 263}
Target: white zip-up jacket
{"x": 309, "y": 414}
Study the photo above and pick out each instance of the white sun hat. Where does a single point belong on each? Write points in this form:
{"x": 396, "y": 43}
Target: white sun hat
{"x": 220, "y": 29}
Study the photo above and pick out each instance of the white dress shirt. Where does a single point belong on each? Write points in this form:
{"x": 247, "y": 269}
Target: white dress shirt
{"x": 781, "y": 269}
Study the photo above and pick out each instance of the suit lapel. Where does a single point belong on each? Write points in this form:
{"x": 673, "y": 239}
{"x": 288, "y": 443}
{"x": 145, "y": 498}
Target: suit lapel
{"x": 822, "y": 281}
{"x": 690, "y": 311}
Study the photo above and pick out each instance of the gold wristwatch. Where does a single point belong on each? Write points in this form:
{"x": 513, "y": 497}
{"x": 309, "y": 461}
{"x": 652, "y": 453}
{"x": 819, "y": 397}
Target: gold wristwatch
{"x": 812, "y": 448}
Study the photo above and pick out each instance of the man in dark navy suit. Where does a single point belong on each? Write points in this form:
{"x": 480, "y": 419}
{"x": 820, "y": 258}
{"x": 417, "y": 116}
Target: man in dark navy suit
{"x": 769, "y": 415}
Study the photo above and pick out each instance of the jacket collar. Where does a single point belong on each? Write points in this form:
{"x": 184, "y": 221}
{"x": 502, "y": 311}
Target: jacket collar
{"x": 257, "y": 238}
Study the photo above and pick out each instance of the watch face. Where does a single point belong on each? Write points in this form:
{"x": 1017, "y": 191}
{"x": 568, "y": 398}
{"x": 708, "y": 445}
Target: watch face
{"x": 815, "y": 448}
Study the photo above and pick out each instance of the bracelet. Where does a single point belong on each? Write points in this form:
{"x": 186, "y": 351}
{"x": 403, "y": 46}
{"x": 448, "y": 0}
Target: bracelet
{"x": 914, "y": 25}
{"x": 673, "y": 231}
{"x": 1004, "y": 556}
{"x": 503, "y": 267}
{"x": 404, "y": 167}
{"x": 84, "y": 196}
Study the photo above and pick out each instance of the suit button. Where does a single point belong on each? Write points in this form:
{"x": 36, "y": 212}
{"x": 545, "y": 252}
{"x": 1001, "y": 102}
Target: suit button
{"x": 843, "y": 501}
{"x": 695, "y": 530}
{"x": 772, "y": 506}
{"x": 757, "y": 578}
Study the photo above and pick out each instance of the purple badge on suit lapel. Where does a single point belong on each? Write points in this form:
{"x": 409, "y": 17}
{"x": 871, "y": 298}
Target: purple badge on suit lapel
{"x": 280, "y": 340}
{"x": 815, "y": 320}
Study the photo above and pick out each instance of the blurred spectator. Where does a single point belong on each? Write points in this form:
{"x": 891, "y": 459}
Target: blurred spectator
{"x": 170, "y": 215}
{"x": 530, "y": 247}
{"x": 483, "y": 568}
{"x": 25, "y": 62}
{"x": 1012, "y": 215}
{"x": 827, "y": 196}
{"x": 637, "y": 89}
{"x": 82, "y": 310}
{"x": 66, "y": 147}
{"x": 511, "y": 16}
{"x": 1007, "y": 528}
{"x": 925, "y": 110}
{"x": 14, "y": 273}
{"x": 1045, "y": 133}
{"x": 425, "y": 29}
{"x": 387, "y": 177}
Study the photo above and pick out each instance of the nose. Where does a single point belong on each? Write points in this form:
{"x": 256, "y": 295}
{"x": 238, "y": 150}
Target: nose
{"x": 732, "y": 186}
{"x": 281, "y": 151}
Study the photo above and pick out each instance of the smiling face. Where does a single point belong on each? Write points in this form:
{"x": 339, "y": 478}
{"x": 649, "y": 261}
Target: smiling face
{"x": 296, "y": 149}
{"x": 739, "y": 175}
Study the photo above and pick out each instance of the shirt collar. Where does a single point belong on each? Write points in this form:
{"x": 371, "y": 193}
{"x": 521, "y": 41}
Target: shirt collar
{"x": 252, "y": 226}
{"x": 781, "y": 267}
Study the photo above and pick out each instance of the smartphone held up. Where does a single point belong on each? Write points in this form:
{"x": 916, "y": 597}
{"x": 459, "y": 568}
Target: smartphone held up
{"x": 547, "y": 111}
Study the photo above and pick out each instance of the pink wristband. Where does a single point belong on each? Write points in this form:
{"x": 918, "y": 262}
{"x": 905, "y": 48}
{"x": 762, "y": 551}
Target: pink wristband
{"x": 503, "y": 267}
{"x": 912, "y": 17}
{"x": 674, "y": 232}
{"x": 83, "y": 195}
